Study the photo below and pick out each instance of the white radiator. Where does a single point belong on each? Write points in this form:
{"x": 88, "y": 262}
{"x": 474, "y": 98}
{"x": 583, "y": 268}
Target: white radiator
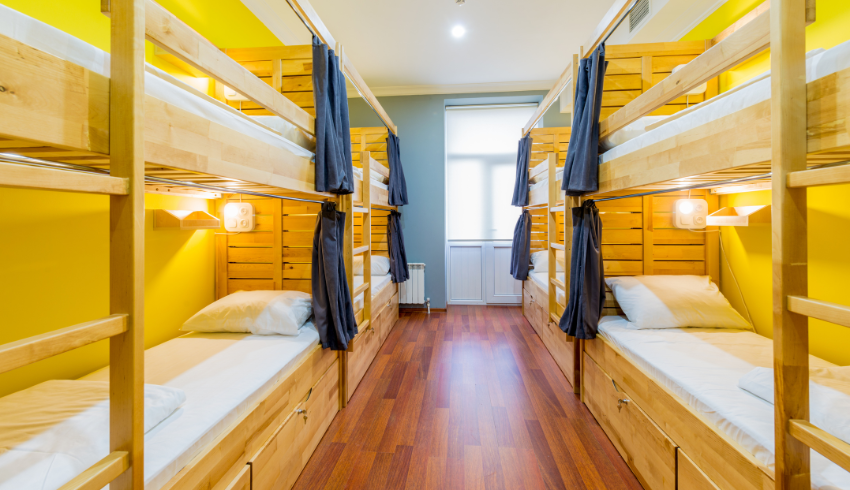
{"x": 412, "y": 291}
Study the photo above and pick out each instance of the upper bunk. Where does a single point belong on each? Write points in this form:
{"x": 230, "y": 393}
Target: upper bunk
{"x": 659, "y": 137}
{"x": 54, "y": 107}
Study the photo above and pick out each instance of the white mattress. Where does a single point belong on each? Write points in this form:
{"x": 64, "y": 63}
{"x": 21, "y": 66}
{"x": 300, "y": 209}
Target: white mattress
{"x": 67, "y": 47}
{"x": 378, "y": 283}
{"x": 558, "y": 176}
{"x": 374, "y": 177}
{"x": 819, "y": 64}
{"x": 542, "y": 280}
{"x": 702, "y": 366}
{"x": 223, "y": 375}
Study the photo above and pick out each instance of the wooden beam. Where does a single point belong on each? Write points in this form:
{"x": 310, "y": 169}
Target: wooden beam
{"x": 360, "y": 250}
{"x": 165, "y": 30}
{"x": 821, "y": 441}
{"x": 359, "y": 289}
{"x": 557, "y": 209}
{"x": 557, "y": 246}
{"x": 101, "y": 473}
{"x": 822, "y": 310}
{"x": 558, "y": 284}
{"x": 790, "y": 253}
{"x": 29, "y": 177}
{"x": 746, "y": 19}
{"x": 359, "y": 209}
{"x": 819, "y": 176}
{"x": 127, "y": 238}
{"x": 739, "y": 46}
{"x": 376, "y": 166}
{"x": 309, "y": 15}
{"x": 562, "y": 82}
{"x": 614, "y": 14}
{"x": 357, "y": 81}
{"x": 32, "y": 349}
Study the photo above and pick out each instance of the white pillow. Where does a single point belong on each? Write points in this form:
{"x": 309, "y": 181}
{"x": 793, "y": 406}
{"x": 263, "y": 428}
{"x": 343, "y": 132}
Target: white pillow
{"x": 256, "y": 312}
{"x": 380, "y": 265}
{"x": 674, "y": 302}
{"x": 540, "y": 261}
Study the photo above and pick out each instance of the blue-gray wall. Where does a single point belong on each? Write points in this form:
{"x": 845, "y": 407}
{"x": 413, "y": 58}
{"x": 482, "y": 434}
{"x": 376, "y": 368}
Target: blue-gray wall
{"x": 421, "y": 128}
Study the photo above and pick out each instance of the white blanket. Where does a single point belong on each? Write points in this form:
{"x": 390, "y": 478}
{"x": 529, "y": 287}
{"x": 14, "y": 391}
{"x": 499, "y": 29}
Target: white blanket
{"x": 57, "y": 429}
{"x": 702, "y": 366}
{"x": 377, "y": 284}
{"x": 829, "y": 396}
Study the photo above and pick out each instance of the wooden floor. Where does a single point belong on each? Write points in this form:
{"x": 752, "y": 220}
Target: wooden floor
{"x": 467, "y": 399}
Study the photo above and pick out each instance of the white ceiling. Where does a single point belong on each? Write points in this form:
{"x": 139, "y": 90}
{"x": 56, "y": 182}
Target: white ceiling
{"x": 405, "y": 47}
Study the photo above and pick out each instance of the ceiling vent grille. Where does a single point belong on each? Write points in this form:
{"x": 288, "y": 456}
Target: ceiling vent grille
{"x": 638, "y": 13}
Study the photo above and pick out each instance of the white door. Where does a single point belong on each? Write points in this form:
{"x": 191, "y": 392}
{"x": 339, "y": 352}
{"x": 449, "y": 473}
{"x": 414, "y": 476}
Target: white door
{"x": 501, "y": 287}
{"x": 464, "y": 273}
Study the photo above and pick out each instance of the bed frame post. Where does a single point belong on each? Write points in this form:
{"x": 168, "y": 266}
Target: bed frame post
{"x": 345, "y": 204}
{"x": 790, "y": 269}
{"x": 552, "y": 229}
{"x": 127, "y": 240}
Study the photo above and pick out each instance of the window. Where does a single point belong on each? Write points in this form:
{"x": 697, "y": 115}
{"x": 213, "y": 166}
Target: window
{"x": 481, "y": 152}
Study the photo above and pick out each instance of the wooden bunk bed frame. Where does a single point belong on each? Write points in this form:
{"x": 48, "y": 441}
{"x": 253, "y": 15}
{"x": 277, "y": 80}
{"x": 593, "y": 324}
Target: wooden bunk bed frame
{"x": 665, "y": 442}
{"x": 62, "y": 113}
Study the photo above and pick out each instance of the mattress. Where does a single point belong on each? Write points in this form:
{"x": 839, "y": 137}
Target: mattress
{"x": 223, "y": 376}
{"x": 542, "y": 279}
{"x": 819, "y": 63}
{"x": 358, "y": 172}
{"x": 50, "y": 40}
{"x": 702, "y": 366}
{"x": 378, "y": 283}
{"x": 558, "y": 176}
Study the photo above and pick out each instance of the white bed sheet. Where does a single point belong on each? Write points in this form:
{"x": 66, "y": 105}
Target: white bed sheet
{"x": 50, "y": 40}
{"x": 223, "y": 375}
{"x": 703, "y": 366}
{"x": 378, "y": 283}
{"x": 541, "y": 278}
{"x": 819, "y": 63}
{"x": 374, "y": 177}
{"x": 558, "y": 176}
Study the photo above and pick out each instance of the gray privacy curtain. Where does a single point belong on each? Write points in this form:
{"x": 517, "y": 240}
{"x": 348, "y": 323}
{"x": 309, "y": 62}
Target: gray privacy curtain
{"x": 398, "y": 186}
{"x": 587, "y": 275}
{"x": 521, "y": 247}
{"x": 520, "y": 197}
{"x": 398, "y": 257}
{"x": 581, "y": 172}
{"x": 334, "y": 171}
{"x": 332, "y": 308}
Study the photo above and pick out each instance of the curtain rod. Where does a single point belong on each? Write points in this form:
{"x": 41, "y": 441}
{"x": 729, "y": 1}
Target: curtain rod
{"x": 70, "y": 167}
{"x": 618, "y": 22}
{"x": 712, "y": 184}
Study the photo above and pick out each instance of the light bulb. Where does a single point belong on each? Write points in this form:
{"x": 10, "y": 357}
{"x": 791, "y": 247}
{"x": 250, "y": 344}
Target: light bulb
{"x": 685, "y": 207}
{"x": 231, "y": 210}
{"x": 458, "y": 31}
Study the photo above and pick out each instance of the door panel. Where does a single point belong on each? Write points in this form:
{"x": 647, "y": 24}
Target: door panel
{"x": 501, "y": 287}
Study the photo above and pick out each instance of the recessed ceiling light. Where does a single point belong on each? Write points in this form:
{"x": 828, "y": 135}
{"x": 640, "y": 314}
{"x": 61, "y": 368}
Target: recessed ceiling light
{"x": 458, "y": 31}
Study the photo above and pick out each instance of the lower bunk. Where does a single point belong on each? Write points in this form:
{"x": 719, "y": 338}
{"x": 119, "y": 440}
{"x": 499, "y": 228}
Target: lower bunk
{"x": 535, "y": 307}
{"x": 365, "y": 345}
{"x": 670, "y": 401}
{"x": 250, "y": 413}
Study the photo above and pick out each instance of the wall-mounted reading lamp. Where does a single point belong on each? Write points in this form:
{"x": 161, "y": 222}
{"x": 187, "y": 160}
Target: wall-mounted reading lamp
{"x": 690, "y": 214}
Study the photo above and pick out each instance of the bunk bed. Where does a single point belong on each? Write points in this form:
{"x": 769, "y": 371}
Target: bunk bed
{"x": 75, "y": 119}
{"x": 669, "y": 398}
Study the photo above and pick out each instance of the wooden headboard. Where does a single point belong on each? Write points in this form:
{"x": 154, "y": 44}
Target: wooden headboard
{"x": 276, "y": 255}
{"x": 373, "y": 140}
{"x": 379, "y": 231}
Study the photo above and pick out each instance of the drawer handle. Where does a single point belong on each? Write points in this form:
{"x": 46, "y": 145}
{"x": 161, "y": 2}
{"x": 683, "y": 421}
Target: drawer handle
{"x": 620, "y": 403}
{"x": 302, "y": 411}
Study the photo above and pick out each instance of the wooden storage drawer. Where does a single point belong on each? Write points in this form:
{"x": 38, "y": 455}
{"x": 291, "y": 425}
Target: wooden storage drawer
{"x": 390, "y": 317}
{"x": 242, "y": 480}
{"x": 643, "y": 445}
{"x": 366, "y": 347}
{"x": 690, "y": 477}
{"x": 563, "y": 349}
{"x": 277, "y": 464}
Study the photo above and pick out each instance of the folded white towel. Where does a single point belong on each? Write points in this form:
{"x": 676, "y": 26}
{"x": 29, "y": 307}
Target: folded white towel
{"x": 829, "y": 396}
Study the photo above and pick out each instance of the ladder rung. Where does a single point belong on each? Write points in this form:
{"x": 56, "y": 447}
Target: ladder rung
{"x": 32, "y": 349}
{"x": 360, "y": 289}
{"x": 821, "y": 441}
{"x": 822, "y": 310}
{"x": 101, "y": 473}
{"x": 557, "y": 209}
{"x": 360, "y": 250}
{"x": 558, "y": 246}
{"x": 559, "y": 284}
{"x": 819, "y": 176}
{"x": 360, "y": 210}
{"x": 554, "y": 318}
{"x": 29, "y": 177}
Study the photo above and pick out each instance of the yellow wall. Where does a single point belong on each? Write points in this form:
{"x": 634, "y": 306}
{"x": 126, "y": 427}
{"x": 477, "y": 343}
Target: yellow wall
{"x": 749, "y": 248}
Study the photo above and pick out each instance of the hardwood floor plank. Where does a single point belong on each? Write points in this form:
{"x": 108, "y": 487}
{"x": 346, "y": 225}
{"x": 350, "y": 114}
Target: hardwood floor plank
{"x": 466, "y": 399}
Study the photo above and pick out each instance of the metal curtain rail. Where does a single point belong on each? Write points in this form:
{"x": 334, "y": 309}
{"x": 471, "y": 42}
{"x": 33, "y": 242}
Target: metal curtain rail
{"x": 70, "y": 167}
{"x": 342, "y": 69}
{"x": 711, "y": 184}
{"x": 618, "y": 22}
